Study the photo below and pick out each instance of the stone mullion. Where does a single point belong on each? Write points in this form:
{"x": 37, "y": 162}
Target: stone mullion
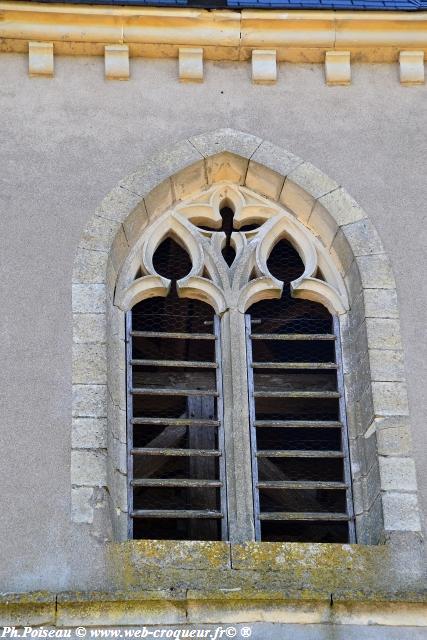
{"x": 236, "y": 428}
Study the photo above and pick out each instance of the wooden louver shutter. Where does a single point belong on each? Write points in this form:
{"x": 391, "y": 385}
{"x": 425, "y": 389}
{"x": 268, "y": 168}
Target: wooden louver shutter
{"x": 175, "y": 439}
{"x": 301, "y": 477}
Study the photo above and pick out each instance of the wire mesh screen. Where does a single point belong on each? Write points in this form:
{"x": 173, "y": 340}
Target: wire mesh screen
{"x": 300, "y": 481}
{"x": 174, "y": 413}
{"x": 289, "y": 315}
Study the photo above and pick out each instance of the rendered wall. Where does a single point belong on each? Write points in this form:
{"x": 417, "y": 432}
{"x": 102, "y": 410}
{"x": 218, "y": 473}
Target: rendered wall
{"x": 65, "y": 142}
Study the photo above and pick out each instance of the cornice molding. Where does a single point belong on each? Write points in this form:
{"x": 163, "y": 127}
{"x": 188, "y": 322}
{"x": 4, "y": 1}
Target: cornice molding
{"x": 297, "y": 36}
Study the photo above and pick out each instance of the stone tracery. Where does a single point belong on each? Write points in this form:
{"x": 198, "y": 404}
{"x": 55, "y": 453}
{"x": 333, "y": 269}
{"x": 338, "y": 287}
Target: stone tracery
{"x": 196, "y": 225}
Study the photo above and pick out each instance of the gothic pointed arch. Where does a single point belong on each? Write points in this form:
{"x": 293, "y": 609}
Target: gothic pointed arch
{"x": 346, "y": 269}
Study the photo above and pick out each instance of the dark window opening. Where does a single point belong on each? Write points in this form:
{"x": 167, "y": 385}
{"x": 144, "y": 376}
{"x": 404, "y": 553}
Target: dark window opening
{"x": 175, "y": 442}
{"x": 176, "y": 455}
{"x": 302, "y": 487}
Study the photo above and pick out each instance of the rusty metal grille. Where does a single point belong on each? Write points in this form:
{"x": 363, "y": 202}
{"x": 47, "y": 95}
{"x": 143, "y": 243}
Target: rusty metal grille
{"x": 175, "y": 435}
{"x": 300, "y": 463}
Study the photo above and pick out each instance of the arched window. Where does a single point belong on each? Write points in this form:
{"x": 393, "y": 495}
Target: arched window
{"x": 236, "y": 413}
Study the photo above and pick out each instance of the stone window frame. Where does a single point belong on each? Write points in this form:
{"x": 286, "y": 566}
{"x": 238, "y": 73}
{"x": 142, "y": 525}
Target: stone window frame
{"x": 383, "y": 470}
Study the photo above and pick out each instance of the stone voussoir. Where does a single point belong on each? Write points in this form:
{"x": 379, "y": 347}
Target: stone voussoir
{"x": 226, "y": 140}
{"x": 302, "y": 187}
{"x": 162, "y": 166}
{"x": 376, "y": 272}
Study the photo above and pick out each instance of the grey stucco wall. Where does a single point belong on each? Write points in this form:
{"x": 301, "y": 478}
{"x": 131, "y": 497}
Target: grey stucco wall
{"x": 64, "y": 143}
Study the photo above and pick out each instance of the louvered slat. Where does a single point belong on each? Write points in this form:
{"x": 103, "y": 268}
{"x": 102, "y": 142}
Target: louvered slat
{"x": 302, "y": 484}
{"x": 191, "y": 364}
{"x": 298, "y": 424}
{"x": 293, "y": 336}
{"x": 175, "y": 513}
{"x": 162, "y": 451}
{"x": 173, "y": 335}
{"x": 304, "y": 516}
{"x": 298, "y": 453}
{"x": 174, "y": 482}
{"x": 296, "y": 394}
{"x": 176, "y": 422}
{"x": 294, "y": 365}
{"x": 156, "y": 391}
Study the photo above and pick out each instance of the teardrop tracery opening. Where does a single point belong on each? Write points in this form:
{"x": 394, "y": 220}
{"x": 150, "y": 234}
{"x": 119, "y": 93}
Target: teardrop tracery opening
{"x": 171, "y": 261}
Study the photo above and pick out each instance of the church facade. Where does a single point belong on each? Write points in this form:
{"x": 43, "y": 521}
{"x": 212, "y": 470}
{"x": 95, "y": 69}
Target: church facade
{"x": 213, "y": 318}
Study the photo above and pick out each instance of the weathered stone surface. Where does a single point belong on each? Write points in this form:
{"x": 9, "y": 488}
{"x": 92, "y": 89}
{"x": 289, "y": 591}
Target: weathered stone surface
{"x": 81, "y": 507}
{"x": 88, "y": 468}
{"x": 90, "y": 363}
{"x": 341, "y": 251}
{"x": 363, "y": 238}
{"x": 386, "y": 365}
{"x": 341, "y": 207}
{"x": 401, "y": 512}
{"x": 390, "y": 398}
{"x": 190, "y": 180}
{"x": 25, "y": 609}
{"x": 89, "y": 327}
{"x": 89, "y": 266}
{"x": 119, "y": 204}
{"x": 353, "y": 282}
{"x": 323, "y": 224}
{"x": 226, "y": 166}
{"x": 383, "y": 333}
{"x": 88, "y": 298}
{"x": 229, "y": 140}
{"x": 89, "y": 433}
{"x": 381, "y": 303}
{"x": 373, "y": 525}
{"x": 111, "y": 279}
{"x": 119, "y": 249}
{"x": 115, "y": 322}
{"x": 118, "y": 452}
{"x": 89, "y": 400}
{"x": 157, "y": 610}
{"x": 116, "y": 419}
{"x": 160, "y": 167}
{"x": 99, "y": 233}
{"x": 135, "y": 223}
{"x": 140, "y": 555}
{"x": 159, "y": 198}
{"x": 303, "y": 186}
{"x": 117, "y": 484}
{"x": 376, "y": 272}
{"x": 264, "y": 180}
{"x": 275, "y": 158}
{"x": 393, "y": 436}
{"x": 397, "y": 474}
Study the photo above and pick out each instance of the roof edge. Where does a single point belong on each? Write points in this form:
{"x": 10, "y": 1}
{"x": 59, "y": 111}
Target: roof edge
{"x": 158, "y": 32}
